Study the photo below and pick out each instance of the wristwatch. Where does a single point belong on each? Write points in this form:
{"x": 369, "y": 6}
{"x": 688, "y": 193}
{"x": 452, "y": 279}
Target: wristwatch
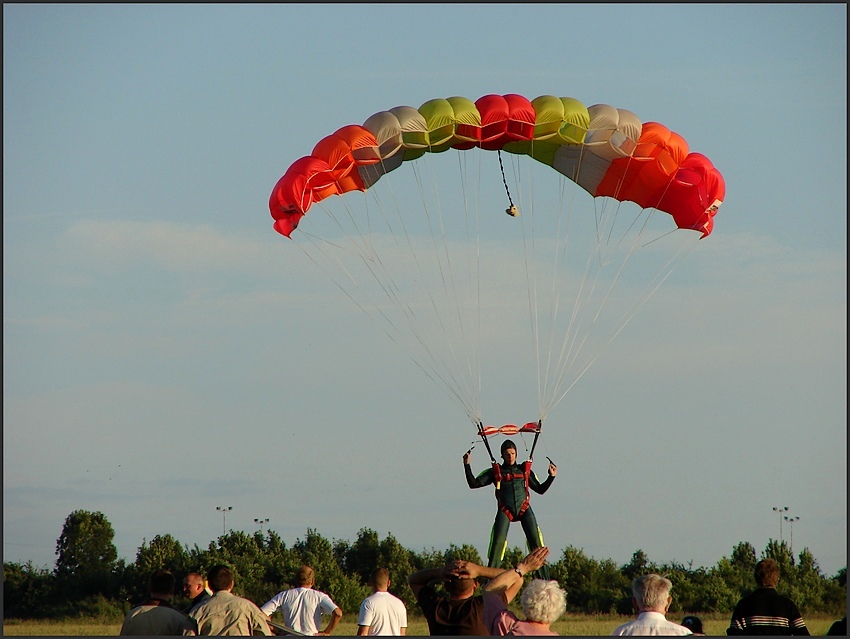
{"x": 517, "y": 571}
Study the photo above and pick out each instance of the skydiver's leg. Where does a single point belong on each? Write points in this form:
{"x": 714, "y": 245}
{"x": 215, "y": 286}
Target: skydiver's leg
{"x": 534, "y": 539}
{"x": 498, "y": 540}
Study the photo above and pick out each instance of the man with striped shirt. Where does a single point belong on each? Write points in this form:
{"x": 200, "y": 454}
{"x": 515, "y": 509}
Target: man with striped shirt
{"x": 765, "y": 611}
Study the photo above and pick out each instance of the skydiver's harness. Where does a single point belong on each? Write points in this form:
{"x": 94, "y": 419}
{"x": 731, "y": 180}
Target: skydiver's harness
{"x": 498, "y": 477}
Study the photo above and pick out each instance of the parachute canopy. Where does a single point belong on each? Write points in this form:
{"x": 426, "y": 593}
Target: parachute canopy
{"x": 479, "y": 300}
{"x": 605, "y": 150}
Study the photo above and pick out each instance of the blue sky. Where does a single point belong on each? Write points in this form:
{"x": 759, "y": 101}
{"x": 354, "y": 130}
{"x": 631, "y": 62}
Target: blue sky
{"x": 166, "y": 352}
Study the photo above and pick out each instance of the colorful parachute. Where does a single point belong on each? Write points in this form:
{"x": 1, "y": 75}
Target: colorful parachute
{"x": 447, "y": 279}
{"x": 607, "y": 151}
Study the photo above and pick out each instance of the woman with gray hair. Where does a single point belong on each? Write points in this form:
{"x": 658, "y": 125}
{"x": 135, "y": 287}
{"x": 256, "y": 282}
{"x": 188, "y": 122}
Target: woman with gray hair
{"x": 543, "y": 602}
{"x": 651, "y": 598}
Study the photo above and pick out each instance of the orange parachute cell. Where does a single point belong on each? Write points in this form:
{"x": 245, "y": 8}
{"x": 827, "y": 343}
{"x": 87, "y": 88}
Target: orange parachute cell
{"x": 644, "y": 176}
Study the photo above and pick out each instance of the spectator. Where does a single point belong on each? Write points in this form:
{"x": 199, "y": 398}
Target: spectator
{"x": 195, "y": 589}
{"x": 694, "y": 624}
{"x": 838, "y": 628}
{"x": 156, "y": 616}
{"x": 461, "y": 612}
{"x": 765, "y": 611}
{"x": 303, "y": 606}
{"x": 543, "y": 602}
{"x": 225, "y": 614}
{"x": 651, "y": 598}
{"x": 381, "y": 613}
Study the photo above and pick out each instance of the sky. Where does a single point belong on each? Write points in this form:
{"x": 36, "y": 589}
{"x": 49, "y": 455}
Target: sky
{"x": 166, "y": 353}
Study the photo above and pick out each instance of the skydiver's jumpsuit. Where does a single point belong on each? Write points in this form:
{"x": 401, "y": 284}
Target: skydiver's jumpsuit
{"x": 512, "y": 499}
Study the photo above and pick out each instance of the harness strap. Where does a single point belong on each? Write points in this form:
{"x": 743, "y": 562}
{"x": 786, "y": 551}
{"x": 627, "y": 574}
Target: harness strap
{"x": 499, "y": 477}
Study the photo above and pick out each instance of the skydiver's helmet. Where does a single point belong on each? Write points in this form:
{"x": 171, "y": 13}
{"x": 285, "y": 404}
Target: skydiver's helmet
{"x": 507, "y": 444}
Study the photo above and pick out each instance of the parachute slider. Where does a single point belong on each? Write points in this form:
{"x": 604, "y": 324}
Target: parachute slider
{"x": 508, "y": 429}
{"x": 512, "y": 210}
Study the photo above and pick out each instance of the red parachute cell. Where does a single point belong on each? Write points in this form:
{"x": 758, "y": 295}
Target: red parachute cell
{"x": 307, "y": 180}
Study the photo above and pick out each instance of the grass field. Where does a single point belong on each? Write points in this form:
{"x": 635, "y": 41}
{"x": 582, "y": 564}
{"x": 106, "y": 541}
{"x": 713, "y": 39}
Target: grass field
{"x": 569, "y": 626}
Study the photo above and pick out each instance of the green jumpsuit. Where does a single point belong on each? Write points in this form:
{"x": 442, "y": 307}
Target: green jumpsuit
{"x": 511, "y": 497}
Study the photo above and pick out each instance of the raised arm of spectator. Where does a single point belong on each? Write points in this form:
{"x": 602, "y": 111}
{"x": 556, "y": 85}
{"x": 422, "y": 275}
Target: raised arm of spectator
{"x": 510, "y": 581}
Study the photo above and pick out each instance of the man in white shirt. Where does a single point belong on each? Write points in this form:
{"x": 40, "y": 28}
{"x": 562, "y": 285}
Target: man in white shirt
{"x": 651, "y": 598}
{"x": 302, "y": 607}
{"x": 381, "y": 613}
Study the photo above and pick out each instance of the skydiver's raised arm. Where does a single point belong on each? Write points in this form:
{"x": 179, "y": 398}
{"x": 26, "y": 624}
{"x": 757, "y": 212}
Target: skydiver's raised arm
{"x": 483, "y": 479}
{"x": 535, "y": 484}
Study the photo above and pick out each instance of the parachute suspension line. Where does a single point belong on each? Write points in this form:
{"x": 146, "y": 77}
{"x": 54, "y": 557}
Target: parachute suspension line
{"x": 559, "y": 257}
{"x": 461, "y": 387}
{"x": 474, "y": 270}
{"x": 454, "y": 301}
{"x": 483, "y": 436}
{"x": 528, "y": 248}
{"x": 661, "y": 275}
{"x": 572, "y": 347}
{"x": 473, "y": 279}
{"x": 387, "y": 283}
{"x": 511, "y": 210}
{"x": 390, "y": 290}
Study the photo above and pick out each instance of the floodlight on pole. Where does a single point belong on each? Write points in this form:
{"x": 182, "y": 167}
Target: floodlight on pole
{"x": 224, "y": 510}
{"x": 780, "y": 510}
{"x": 791, "y": 521}
{"x": 261, "y": 522}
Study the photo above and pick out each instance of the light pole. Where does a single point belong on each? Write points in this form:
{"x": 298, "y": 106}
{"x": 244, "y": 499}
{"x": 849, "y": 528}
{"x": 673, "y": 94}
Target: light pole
{"x": 780, "y": 510}
{"x": 791, "y": 521}
{"x": 261, "y": 522}
{"x": 224, "y": 510}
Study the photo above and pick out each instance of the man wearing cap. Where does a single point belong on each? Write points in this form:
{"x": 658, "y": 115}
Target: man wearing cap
{"x": 512, "y": 482}
{"x": 694, "y": 624}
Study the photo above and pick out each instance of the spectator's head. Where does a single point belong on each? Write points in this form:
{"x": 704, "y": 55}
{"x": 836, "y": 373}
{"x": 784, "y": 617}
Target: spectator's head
{"x": 508, "y": 451}
{"x": 220, "y": 578}
{"x": 543, "y": 601}
{"x": 767, "y": 573}
{"x": 459, "y": 587}
{"x": 305, "y": 577}
{"x": 193, "y": 585}
{"x": 380, "y": 579}
{"x": 161, "y": 584}
{"x": 694, "y": 624}
{"x": 651, "y": 593}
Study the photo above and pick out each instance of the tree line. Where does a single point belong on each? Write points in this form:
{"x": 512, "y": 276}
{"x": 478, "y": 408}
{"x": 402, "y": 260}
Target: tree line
{"x": 90, "y": 580}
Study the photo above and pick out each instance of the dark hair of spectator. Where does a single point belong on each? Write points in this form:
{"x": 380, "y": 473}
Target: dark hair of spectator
{"x": 161, "y": 582}
{"x": 220, "y": 578}
{"x": 767, "y": 573}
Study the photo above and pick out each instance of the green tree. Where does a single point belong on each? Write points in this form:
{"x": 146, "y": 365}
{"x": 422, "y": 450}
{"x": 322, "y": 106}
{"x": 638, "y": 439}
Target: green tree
{"x": 27, "y": 590}
{"x": 244, "y": 556}
{"x": 744, "y": 557}
{"x": 86, "y": 562}
{"x": 592, "y": 586}
{"x": 398, "y": 560}
{"x": 638, "y": 566}
{"x": 360, "y": 558}
{"x": 316, "y": 551}
{"x": 466, "y": 551}
{"x": 163, "y": 552}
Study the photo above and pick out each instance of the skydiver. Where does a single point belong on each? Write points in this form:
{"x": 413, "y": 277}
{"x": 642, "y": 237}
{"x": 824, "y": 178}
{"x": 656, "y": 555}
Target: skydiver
{"x": 512, "y": 482}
